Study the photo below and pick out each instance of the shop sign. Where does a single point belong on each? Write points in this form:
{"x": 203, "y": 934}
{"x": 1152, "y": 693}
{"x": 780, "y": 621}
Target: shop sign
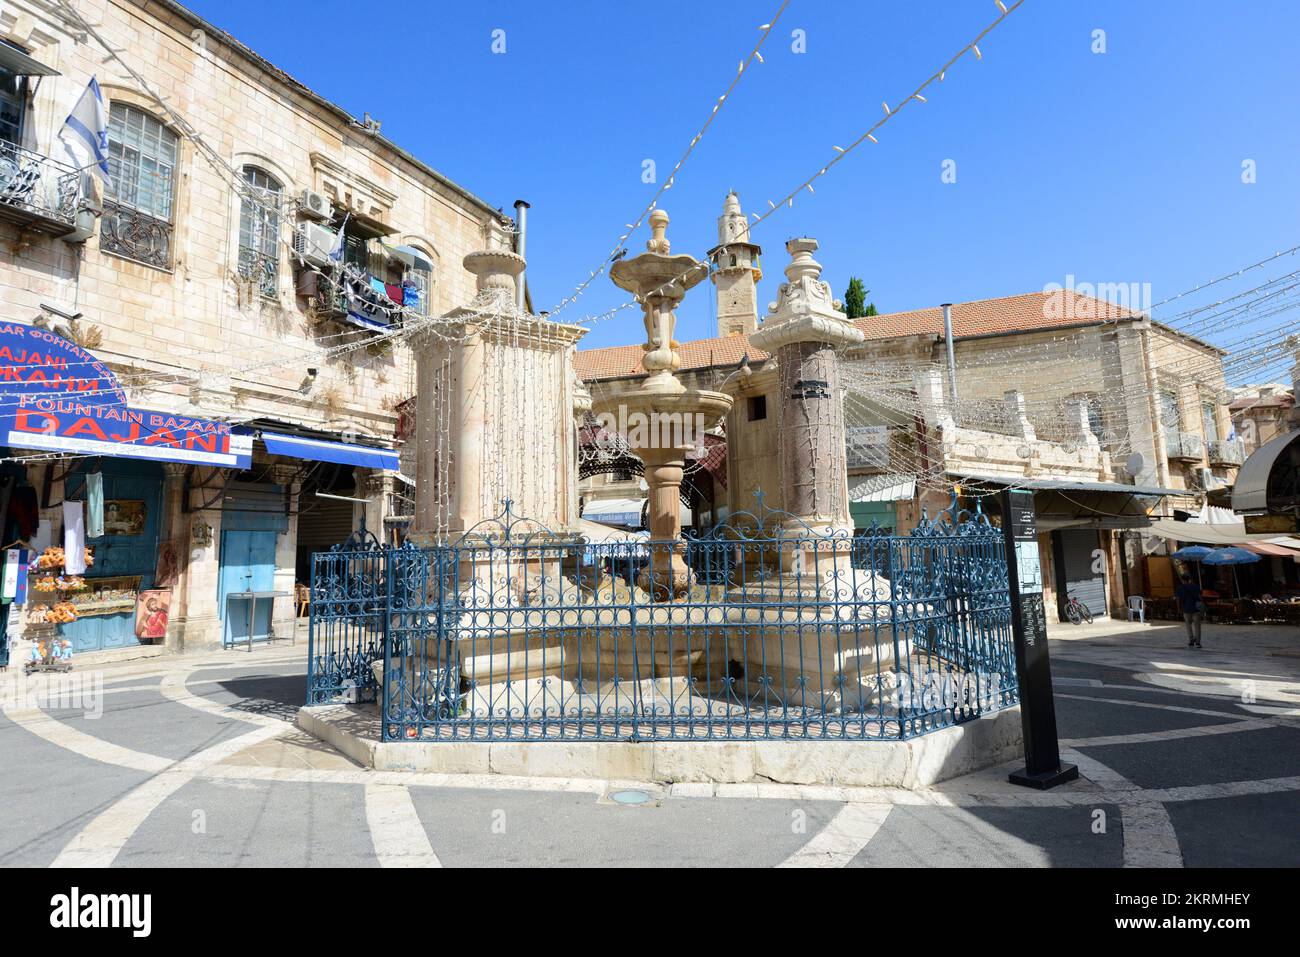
{"x": 37, "y": 362}
{"x": 65, "y": 425}
{"x": 57, "y": 397}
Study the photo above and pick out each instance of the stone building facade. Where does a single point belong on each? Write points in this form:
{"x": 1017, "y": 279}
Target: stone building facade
{"x": 194, "y": 275}
{"x": 1261, "y": 413}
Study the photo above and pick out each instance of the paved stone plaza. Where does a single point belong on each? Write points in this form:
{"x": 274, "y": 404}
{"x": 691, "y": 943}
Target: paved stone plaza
{"x": 1188, "y": 759}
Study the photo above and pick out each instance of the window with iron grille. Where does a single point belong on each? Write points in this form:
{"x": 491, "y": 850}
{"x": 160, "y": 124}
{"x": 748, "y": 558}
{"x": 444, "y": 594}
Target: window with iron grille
{"x": 1171, "y": 418}
{"x": 421, "y": 276}
{"x": 259, "y": 231}
{"x": 1210, "y": 420}
{"x": 139, "y": 197}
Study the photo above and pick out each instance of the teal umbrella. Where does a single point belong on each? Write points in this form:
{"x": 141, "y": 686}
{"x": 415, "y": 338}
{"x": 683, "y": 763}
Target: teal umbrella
{"x": 1193, "y": 553}
{"x": 1232, "y": 555}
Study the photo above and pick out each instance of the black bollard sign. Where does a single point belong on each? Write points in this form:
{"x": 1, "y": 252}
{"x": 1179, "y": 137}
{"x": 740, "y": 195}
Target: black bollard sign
{"x": 1043, "y": 768}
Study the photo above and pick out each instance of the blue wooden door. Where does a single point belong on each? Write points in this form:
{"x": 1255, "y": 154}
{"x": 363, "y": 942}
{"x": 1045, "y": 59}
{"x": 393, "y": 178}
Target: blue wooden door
{"x": 247, "y": 564}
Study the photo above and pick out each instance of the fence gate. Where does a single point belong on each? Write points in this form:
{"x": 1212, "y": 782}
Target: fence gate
{"x": 348, "y": 627}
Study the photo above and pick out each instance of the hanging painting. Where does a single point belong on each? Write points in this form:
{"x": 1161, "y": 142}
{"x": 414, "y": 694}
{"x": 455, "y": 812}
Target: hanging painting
{"x": 124, "y": 517}
{"x": 151, "y": 611}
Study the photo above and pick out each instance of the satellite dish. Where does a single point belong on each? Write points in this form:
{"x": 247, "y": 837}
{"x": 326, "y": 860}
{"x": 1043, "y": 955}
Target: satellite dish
{"x": 1135, "y": 463}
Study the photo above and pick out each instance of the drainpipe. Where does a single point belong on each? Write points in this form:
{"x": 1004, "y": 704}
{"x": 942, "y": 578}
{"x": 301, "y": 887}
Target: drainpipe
{"x": 952, "y": 359}
{"x": 521, "y": 237}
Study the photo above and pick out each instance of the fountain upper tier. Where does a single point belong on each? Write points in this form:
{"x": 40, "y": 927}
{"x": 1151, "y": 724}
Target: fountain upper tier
{"x": 659, "y": 281}
{"x": 662, "y": 420}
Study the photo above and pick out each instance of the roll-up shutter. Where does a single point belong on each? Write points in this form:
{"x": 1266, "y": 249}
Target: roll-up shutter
{"x": 1081, "y": 571}
{"x": 323, "y": 523}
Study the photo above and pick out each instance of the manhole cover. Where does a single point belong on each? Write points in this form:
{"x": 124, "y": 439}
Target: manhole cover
{"x": 629, "y": 797}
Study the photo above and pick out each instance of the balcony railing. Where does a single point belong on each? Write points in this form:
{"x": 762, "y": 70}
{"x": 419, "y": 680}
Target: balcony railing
{"x": 352, "y": 296}
{"x": 1184, "y": 445}
{"x": 260, "y": 268}
{"x": 36, "y": 191}
{"x": 133, "y": 234}
{"x": 1227, "y": 452}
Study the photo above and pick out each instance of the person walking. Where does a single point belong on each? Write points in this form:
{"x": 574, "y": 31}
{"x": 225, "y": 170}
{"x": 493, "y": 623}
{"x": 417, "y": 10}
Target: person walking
{"x": 1192, "y": 606}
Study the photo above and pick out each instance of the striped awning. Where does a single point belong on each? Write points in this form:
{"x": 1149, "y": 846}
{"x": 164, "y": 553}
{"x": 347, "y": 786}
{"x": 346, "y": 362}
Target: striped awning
{"x": 882, "y": 488}
{"x": 326, "y": 450}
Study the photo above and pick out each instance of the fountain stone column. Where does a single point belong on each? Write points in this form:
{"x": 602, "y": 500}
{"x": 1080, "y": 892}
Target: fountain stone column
{"x": 662, "y": 420}
{"x": 493, "y": 411}
{"x": 803, "y": 329}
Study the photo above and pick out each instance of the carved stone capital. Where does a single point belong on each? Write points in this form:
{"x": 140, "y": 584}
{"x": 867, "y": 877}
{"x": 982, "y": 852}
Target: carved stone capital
{"x": 380, "y": 483}
{"x": 805, "y": 309}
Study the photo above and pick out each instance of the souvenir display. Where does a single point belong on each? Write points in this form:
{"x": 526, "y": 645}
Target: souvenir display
{"x": 104, "y": 596}
{"x": 74, "y": 596}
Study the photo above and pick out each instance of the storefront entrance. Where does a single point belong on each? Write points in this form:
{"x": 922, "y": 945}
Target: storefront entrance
{"x": 126, "y": 555}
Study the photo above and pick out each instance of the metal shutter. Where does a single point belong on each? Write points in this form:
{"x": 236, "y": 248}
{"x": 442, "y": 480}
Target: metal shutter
{"x": 1077, "y": 547}
{"x": 323, "y": 524}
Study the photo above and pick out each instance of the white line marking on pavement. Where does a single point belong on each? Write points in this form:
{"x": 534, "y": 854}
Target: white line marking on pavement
{"x": 100, "y": 841}
{"x": 842, "y": 838}
{"x": 87, "y": 745}
{"x": 174, "y": 688}
{"x": 395, "y": 829}
{"x": 1228, "y": 727}
{"x": 1149, "y": 836}
{"x": 1225, "y": 715}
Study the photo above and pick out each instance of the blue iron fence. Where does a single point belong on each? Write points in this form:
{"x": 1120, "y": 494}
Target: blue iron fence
{"x": 513, "y": 632}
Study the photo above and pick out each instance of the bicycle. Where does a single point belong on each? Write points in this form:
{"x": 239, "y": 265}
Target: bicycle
{"x": 1077, "y": 611}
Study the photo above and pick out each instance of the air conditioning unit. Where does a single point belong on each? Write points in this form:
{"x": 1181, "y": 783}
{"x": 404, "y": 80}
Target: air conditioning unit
{"x": 314, "y": 205}
{"x": 313, "y": 242}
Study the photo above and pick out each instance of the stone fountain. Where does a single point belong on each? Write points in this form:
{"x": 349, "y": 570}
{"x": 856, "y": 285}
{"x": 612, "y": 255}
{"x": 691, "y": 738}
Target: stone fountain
{"x": 662, "y": 420}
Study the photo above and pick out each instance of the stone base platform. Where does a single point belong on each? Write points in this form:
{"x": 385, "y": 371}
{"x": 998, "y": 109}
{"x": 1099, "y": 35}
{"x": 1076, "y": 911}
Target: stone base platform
{"x": 915, "y": 763}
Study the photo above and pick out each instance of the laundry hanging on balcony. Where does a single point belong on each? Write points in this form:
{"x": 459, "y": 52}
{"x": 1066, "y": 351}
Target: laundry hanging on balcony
{"x": 367, "y": 301}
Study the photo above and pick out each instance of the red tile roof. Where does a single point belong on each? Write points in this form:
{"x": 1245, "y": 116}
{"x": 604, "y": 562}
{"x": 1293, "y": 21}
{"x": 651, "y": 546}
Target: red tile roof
{"x": 1279, "y": 399}
{"x": 1031, "y": 312}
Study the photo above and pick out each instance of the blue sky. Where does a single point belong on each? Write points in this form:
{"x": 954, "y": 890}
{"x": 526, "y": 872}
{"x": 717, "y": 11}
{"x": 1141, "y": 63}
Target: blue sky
{"x": 1119, "y": 167}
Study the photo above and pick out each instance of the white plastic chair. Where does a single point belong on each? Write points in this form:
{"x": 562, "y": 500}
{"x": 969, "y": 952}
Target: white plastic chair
{"x": 1137, "y": 605}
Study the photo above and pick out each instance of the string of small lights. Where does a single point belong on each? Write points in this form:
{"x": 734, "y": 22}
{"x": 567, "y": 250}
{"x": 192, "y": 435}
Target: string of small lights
{"x": 787, "y": 201}
{"x": 631, "y": 227}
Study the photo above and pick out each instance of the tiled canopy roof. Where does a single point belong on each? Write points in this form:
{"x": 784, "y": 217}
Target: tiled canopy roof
{"x": 1281, "y": 399}
{"x": 1031, "y": 312}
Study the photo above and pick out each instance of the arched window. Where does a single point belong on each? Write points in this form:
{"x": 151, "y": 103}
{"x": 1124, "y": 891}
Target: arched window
{"x": 259, "y": 230}
{"x": 139, "y": 197}
{"x": 410, "y": 278}
{"x": 1096, "y": 413}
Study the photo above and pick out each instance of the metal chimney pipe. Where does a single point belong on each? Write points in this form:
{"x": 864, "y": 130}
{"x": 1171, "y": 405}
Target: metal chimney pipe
{"x": 521, "y": 238}
{"x": 952, "y": 358}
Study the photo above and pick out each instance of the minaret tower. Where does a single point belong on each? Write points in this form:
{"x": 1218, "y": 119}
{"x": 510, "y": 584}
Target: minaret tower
{"x": 735, "y": 271}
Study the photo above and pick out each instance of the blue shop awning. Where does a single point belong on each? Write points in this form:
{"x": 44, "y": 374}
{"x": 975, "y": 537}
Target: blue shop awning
{"x": 324, "y": 450}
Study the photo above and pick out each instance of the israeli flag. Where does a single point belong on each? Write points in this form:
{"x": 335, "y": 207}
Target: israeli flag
{"x": 85, "y": 132}
{"x": 336, "y": 251}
